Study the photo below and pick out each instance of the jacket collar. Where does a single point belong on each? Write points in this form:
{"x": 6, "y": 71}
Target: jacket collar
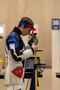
{"x": 17, "y": 30}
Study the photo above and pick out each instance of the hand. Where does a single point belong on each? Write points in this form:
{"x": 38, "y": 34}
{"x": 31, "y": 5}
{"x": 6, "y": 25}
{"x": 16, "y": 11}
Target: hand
{"x": 35, "y": 47}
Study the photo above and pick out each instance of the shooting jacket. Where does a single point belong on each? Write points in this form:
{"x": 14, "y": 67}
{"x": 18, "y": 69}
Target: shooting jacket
{"x": 16, "y": 54}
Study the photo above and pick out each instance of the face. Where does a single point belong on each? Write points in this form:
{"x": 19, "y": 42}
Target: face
{"x": 26, "y": 31}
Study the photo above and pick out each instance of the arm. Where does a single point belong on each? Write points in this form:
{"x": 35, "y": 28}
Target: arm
{"x": 17, "y": 56}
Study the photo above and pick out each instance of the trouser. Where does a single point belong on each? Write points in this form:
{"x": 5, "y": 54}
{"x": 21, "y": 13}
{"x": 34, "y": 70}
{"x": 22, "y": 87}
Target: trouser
{"x": 14, "y": 87}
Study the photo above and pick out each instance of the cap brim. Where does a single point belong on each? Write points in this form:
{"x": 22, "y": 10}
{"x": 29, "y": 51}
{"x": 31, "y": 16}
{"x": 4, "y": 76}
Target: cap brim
{"x": 33, "y": 29}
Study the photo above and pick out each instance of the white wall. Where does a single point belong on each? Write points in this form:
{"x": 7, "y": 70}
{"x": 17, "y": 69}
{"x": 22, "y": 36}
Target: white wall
{"x": 55, "y": 51}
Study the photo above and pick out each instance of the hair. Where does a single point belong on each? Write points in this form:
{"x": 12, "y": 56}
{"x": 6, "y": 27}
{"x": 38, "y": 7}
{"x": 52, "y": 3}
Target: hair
{"x": 25, "y": 21}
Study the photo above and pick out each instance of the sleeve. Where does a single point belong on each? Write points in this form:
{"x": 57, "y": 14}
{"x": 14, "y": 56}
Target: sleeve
{"x": 17, "y": 57}
{"x": 10, "y": 40}
{"x": 28, "y": 52}
{"x": 12, "y": 45}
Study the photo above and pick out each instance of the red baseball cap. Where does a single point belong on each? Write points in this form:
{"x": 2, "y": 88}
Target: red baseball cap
{"x": 31, "y": 27}
{"x": 27, "y": 22}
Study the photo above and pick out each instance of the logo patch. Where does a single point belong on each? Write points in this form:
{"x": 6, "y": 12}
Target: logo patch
{"x": 18, "y": 71}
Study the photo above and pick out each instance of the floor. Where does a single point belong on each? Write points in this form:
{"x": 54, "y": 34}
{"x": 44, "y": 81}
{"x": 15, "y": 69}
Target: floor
{"x": 47, "y": 82}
